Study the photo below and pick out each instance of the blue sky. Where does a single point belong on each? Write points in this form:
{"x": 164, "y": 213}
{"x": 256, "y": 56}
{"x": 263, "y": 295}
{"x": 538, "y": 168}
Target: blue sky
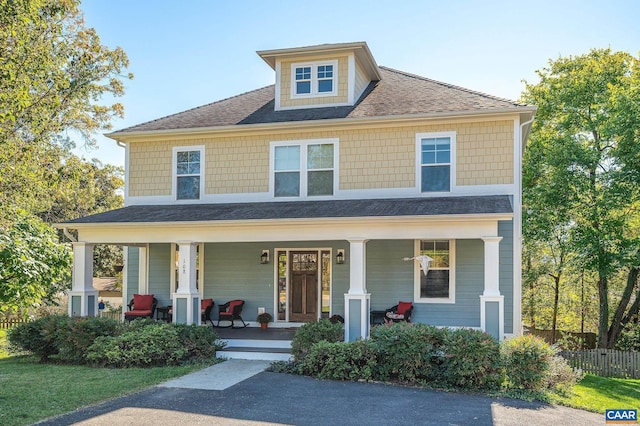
{"x": 192, "y": 52}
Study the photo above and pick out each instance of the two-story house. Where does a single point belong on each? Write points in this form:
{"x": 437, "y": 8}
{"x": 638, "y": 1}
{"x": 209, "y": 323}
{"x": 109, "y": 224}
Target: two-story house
{"x": 310, "y": 197}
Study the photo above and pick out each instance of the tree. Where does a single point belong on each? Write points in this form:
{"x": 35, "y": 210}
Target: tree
{"x": 582, "y": 169}
{"x": 34, "y": 267}
{"x": 53, "y": 70}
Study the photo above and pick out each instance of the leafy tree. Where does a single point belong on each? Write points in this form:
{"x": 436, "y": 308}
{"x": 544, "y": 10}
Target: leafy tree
{"x": 34, "y": 267}
{"x": 582, "y": 171}
{"x": 52, "y": 71}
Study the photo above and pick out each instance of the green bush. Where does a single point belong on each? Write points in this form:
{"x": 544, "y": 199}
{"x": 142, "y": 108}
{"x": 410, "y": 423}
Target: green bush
{"x": 471, "y": 359}
{"x": 340, "y": 361}
{"x": 560, "y": 377}
{"x": 38, "y": 336}
{"x": 526, "y": 360}
{"x": 75, "y": 335}
{"x": 201, "y": 343}
{"x": 315, "y": 332}
{"x": 409, "y": 353}
{"x": 142, "y": 345}
{"x": 629, "y": 338}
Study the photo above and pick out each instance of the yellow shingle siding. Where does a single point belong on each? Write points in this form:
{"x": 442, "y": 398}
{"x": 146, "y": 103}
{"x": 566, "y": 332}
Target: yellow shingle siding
{"x": 342, "y": 95}
{"x": 361, "y": 81}
{"x": 368, "y": 158}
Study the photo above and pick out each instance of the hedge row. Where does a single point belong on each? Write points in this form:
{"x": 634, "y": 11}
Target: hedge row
{"x": 420, "y": 354}
{"x": 106, "y": 342}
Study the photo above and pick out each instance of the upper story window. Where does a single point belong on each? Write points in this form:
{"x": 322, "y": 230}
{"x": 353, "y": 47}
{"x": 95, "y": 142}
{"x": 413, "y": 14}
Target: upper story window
{"x": 188, "y": 166}
{"x": 314, "y": 79}
{"x": 304, "y": 168}
{"x": 438, "y": 285}
{"x": 435, "y": 153}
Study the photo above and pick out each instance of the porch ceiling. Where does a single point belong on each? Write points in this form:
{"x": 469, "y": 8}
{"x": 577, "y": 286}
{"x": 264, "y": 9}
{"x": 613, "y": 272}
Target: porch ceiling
{"x": 371, "y": 208}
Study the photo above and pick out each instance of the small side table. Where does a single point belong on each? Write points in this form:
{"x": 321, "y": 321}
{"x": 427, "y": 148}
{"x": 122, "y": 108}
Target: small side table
{"x": 377, "y": 317}
{"x": 162, "y": 313}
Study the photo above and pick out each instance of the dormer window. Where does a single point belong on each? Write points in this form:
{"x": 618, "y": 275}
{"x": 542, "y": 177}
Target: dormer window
{"x": 314, "y": 79}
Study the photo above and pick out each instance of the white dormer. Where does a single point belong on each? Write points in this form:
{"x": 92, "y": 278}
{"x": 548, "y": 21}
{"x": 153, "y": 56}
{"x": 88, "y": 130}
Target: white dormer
{"x": 325, "y": 75}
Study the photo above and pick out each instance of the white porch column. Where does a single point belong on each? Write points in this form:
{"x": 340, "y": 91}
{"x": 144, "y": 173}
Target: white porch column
{"x": 83, "y": 297}
{"x": 491, "y": 301}
{"x": 357, "y": 300}
{"x": 186, "y": 299}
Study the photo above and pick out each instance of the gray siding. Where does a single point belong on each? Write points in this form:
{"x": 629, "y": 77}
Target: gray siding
{"x": 389, "y": 278}
{"x": 160, "y": 272}
{"x": 233, "y": 271}
{"x": 505, "y": 230}
{"x": 132, "y": 272}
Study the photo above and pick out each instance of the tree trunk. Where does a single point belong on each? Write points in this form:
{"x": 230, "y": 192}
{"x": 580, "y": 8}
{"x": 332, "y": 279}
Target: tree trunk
{"x": 616, "y": 322}
{"x": 603, "y": 320}
{"x": 556, "y": 297}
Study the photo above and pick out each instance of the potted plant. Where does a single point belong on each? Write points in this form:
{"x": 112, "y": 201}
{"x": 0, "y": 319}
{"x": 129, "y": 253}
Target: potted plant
{"x": 264, "y": 319}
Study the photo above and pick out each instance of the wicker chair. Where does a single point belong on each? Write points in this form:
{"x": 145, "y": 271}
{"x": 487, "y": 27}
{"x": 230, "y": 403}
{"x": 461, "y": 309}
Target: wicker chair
{"x": 141, "y": 306}
{"x": 206, "y": 308}
{"x": 400, "y": 312}
{"x": 231, "y": 311}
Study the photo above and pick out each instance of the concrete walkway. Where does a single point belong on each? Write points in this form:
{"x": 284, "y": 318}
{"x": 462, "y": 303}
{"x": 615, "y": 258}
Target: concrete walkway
{"x": 265, "y": 398}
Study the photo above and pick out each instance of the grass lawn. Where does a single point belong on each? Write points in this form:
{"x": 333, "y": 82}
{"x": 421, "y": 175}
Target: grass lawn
{"x": 30, "y": 391}
{"x": 597, "y": 394}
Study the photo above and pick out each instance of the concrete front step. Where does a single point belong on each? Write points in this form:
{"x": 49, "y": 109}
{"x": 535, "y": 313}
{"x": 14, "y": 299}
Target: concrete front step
{"x": 267, "y": 350}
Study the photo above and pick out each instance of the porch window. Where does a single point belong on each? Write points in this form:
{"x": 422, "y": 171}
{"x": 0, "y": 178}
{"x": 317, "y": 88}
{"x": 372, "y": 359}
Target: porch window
{"x": 437, "y": 286}
{"x": 435, "y": 153}
{"x": 304, "y": 169}
{"x": 314, "y": 79}
{"x": 188, "y": 166}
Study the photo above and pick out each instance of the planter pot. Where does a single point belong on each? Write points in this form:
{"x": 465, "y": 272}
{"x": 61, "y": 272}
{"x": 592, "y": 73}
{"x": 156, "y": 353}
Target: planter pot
{"x": 264, "y": 325}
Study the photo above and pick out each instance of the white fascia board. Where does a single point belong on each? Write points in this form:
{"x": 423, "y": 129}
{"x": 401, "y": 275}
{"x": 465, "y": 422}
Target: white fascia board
{"x": 423, "y": 227}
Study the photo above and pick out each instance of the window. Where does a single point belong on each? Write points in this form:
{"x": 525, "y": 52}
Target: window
{"x": 435, "y": 152}
{"x": 303, "y": 169}
{"x": 314, "y": 79}
{"x": 438, "y": 284}
{"x": 188, "y": 173}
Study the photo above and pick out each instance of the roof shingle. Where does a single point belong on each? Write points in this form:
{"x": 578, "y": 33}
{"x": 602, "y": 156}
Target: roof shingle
{"x": 397, "y": 94}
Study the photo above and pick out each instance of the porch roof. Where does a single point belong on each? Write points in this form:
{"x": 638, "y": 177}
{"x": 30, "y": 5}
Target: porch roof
{"x": 394, "y": 207}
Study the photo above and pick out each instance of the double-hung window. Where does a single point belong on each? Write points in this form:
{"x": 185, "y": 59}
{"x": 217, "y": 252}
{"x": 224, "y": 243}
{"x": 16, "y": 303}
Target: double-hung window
{"x": 435, "y": 154}
{"x": 314, "y": 79}
{"x": 188, "y": 166}
{"x": 304, "y": 168}
{"x": 438, "y": 284}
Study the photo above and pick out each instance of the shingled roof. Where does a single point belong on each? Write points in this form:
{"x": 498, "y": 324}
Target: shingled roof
{"x": 396, "y": 94}
{"x": 433, "y": 206}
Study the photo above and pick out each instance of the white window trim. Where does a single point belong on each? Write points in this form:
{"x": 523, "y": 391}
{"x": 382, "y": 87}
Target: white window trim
{"x": 174, "y": 172}
{"x": 314, "y": 79}
{"x": 452, "y": 275}
{"x": 452, "y": 160}
{"x": 303, "y": 144}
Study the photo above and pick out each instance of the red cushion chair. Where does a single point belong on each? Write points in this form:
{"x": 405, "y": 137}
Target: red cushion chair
{"x": 231, "y": 311}
{"x": 400, "y": 312}
{"x": 141, "y": 306}
{"x": 206, "y": 307}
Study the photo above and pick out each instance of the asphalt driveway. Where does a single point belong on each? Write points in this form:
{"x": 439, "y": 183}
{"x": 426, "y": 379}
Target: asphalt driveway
{"x": 273, "y": 398}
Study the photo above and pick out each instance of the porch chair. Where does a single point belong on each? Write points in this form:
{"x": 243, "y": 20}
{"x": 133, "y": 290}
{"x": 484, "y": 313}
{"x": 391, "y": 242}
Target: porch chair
{"x": 206, "y": 307}
{"x": 141, "y": 306}
{"x": 231, "y": 311}
{"x": 400, "y": 312}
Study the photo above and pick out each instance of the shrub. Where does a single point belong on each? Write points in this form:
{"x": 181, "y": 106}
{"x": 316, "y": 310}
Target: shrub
{"x": 340, "y": 361}
{"x": 141, "y": 345}
{"x": 201, "y": 343}
{"x": 75, "y": 335}
{"x": 526, "y": 360}
{"x": 560, "y": 376}
{"x": 315, "y": 332}
{"x": 409, "y": 353}
{"x": 471, "y": 360}
{"x": 629, "y": 339}
{"x": 38, "y": 336}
